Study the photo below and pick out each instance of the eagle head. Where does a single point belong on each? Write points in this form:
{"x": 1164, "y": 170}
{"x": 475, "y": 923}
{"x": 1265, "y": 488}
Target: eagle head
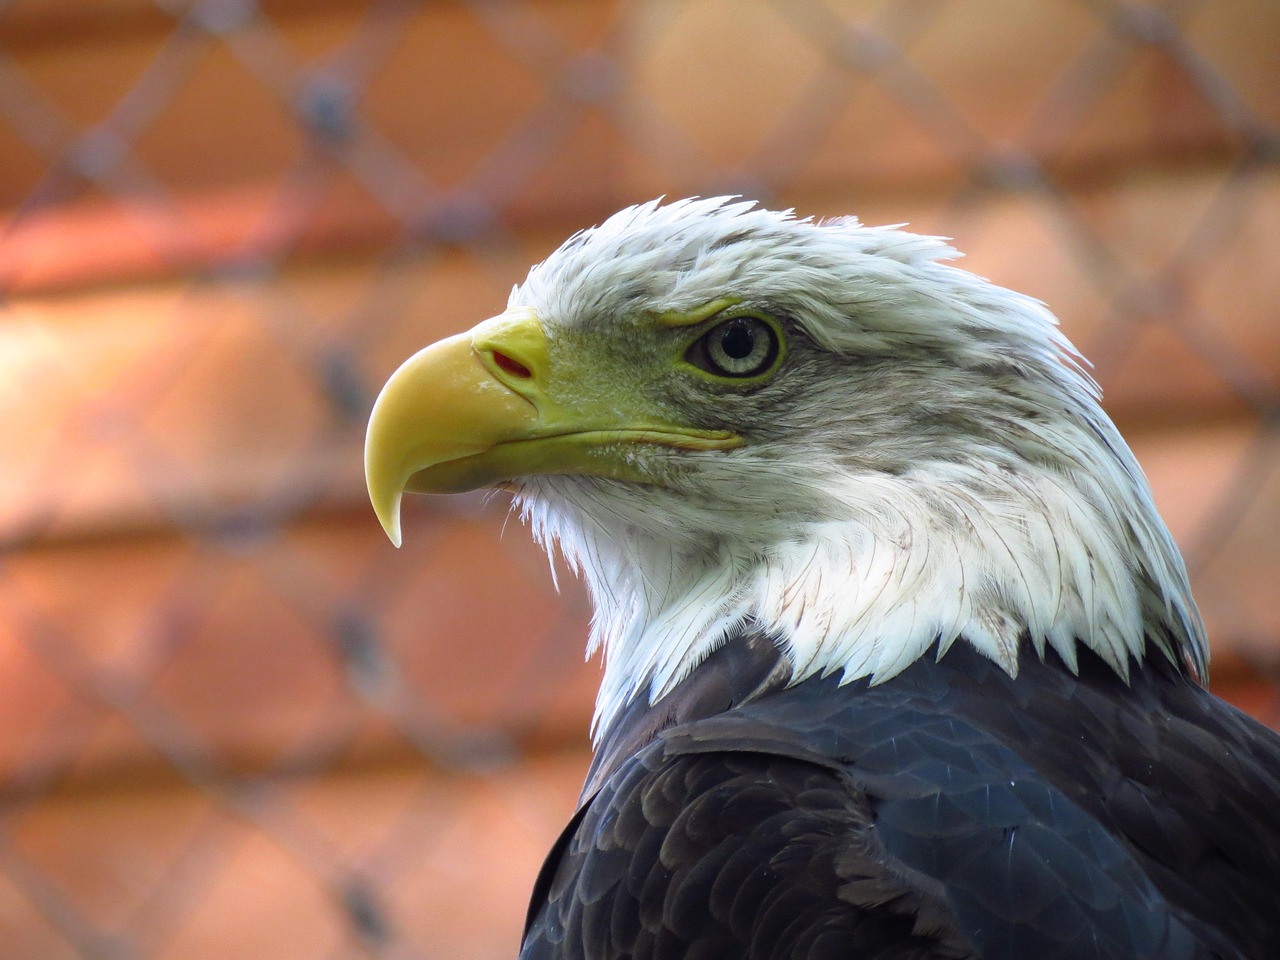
{"x": 730, "y": 418}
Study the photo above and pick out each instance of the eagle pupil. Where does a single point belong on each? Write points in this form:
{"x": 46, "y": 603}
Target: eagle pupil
{"x": 738, "y": 342}
{"x": 742, "y": 346}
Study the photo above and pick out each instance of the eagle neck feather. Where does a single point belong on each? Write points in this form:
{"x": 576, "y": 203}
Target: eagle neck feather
{"x": 1002, "y": 560}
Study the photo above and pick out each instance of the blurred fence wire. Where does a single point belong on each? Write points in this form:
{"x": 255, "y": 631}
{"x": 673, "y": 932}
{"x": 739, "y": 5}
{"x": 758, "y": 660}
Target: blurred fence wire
{"x": 233, "y": 721}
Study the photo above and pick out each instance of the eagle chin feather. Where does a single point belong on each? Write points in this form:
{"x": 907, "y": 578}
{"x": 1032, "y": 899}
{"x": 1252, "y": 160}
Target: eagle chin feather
{"x": 942, "y": 472}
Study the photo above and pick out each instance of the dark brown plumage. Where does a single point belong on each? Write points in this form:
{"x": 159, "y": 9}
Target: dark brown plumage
{"x": 950, "y": 812}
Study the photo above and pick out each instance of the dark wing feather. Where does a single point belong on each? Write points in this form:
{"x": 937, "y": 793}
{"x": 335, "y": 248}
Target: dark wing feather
{"x": 952, "y": 811}
{"x": 727, "y": 855}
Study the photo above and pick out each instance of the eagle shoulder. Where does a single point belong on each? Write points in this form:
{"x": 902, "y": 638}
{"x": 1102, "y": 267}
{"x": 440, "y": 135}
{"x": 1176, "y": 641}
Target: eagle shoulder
{"x": 730, "y": 854}
{"x": 910, "y": 819}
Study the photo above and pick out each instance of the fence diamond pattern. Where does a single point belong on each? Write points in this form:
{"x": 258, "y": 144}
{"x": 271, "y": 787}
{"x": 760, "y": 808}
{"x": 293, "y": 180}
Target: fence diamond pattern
{"x": 233, "y": 721}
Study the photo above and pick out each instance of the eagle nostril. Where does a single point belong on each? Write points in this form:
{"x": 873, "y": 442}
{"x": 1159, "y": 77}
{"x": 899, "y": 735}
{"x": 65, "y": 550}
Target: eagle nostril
{"x": 513, "y": 367}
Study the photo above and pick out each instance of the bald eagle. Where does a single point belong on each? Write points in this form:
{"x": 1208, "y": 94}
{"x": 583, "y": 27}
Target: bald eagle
{"x": 899, "y": 659}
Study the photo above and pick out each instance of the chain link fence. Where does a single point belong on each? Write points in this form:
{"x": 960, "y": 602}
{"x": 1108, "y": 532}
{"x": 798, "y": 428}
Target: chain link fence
{"x": 234, "y": 721}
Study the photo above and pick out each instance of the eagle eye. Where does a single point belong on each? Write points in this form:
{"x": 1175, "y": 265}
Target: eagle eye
{"x": 741, "y": 347}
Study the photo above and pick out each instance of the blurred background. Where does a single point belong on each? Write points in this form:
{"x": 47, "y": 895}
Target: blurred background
{"x": 234, "y": 722}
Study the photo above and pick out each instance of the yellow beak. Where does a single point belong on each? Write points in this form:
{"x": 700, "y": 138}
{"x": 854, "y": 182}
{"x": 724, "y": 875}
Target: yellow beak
{"x": 475, "y": 410}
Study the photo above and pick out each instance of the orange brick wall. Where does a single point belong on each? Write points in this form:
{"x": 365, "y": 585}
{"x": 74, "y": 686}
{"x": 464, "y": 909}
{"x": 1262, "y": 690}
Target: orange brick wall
{"x": 233, "y": 720}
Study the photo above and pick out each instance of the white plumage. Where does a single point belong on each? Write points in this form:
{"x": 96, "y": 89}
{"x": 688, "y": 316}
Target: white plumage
{"x": 932, "y": 462}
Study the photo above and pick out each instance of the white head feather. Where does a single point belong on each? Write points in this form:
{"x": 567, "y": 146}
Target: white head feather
{"x": 936, "y": 466}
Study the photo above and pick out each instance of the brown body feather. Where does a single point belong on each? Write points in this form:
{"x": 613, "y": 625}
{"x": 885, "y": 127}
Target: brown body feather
{"x": 949, "y": 812}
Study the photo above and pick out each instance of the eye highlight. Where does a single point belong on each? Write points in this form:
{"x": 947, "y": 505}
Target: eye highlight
{"x": 742, "y": 347}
